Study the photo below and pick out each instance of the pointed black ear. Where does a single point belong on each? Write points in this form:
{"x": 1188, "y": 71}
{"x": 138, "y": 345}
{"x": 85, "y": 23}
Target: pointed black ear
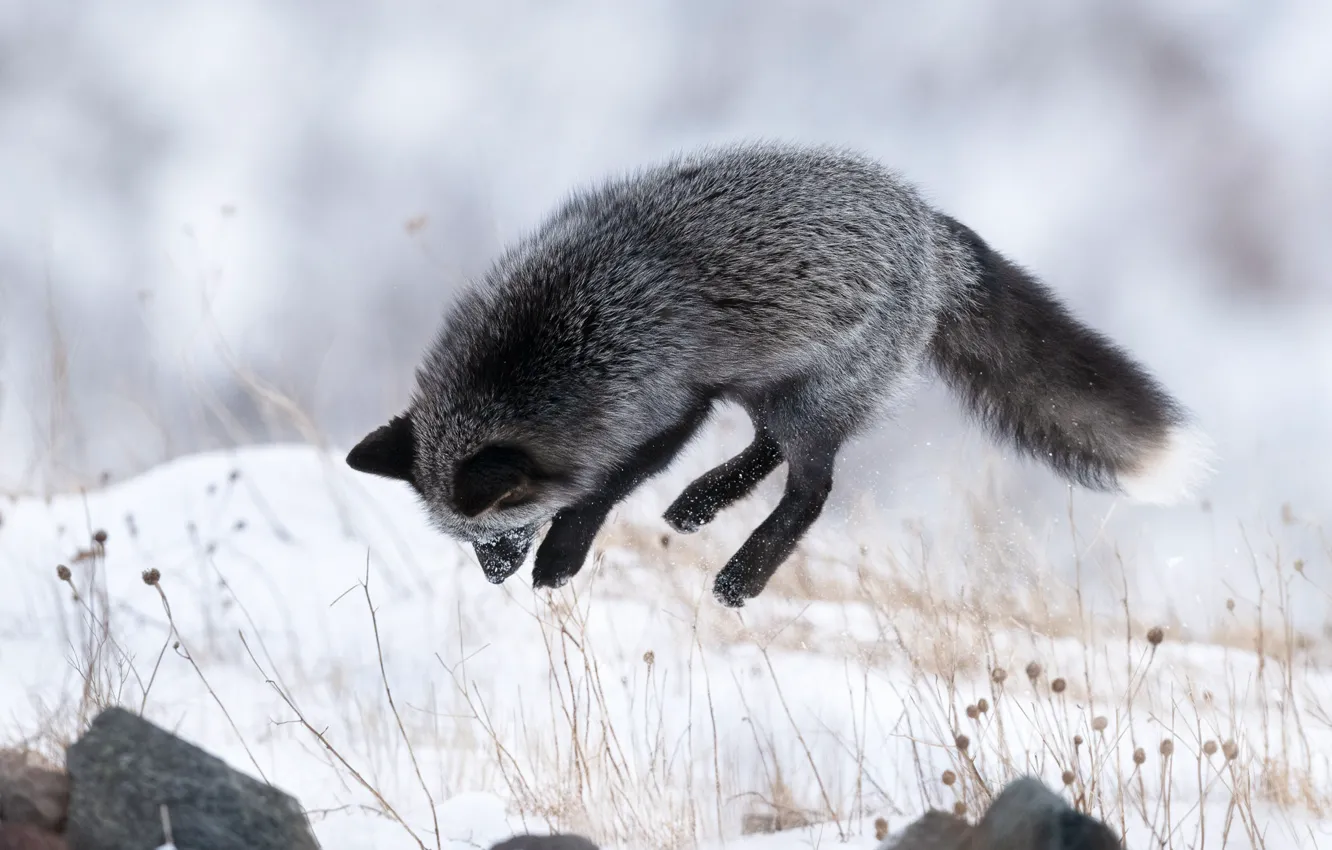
{"x": 495, "y": 475}
{"x": 389, "y": 451}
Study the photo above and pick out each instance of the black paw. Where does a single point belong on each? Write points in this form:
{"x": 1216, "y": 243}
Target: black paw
{"x": 551, "y": 579}
{"x": 556, "y": 564}
{"x": 687, "y": 515}
{"x": 732, "y": 590}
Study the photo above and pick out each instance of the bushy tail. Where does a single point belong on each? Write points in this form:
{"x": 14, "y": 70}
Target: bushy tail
{"x": 1059, "y": 390}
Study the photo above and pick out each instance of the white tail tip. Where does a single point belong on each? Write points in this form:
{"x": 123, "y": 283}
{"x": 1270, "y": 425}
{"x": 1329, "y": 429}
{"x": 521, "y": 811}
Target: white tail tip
{"x": 1174, "y": 471}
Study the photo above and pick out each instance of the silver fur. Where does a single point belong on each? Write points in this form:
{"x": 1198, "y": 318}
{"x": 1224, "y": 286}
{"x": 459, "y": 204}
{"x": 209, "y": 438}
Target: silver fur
{"x": 811, "y": 286}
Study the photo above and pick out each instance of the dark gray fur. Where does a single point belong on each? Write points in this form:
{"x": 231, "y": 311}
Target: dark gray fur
{"x": 811, "y": 286}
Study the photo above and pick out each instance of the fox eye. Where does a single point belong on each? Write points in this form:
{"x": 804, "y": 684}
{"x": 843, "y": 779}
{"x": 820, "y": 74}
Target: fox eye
{"x": 516, "y": 496}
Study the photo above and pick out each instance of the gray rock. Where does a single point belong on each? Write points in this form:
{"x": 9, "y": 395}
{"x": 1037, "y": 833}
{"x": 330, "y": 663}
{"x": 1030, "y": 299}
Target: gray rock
{"x": 26, "y": 836}
{"x": 546, "y": 842}
{"x": 1025, "y": 816}
{"x": 124, "y": 769}
{"x": 32, "y": 792}
{"x": 934, "y": 830}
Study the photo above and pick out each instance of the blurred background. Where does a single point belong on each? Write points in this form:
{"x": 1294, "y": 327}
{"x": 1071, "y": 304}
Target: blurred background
{"x": 227, "y": 223}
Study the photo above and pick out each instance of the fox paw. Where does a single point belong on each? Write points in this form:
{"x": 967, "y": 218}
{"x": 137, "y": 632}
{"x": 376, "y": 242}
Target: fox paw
{"x": 551, "y": 580}
{"x": 733, "y": 589}
{"x": 687, "y": 515}
{"x": 556, "y": 564}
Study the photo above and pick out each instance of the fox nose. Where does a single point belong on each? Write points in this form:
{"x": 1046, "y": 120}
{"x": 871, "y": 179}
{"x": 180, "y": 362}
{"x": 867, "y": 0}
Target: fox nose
{"x": 501, "y": 556}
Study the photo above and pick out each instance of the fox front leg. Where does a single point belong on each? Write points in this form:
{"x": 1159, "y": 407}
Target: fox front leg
{"x": 564, "y": 550}
{"x": 562, "y": 553}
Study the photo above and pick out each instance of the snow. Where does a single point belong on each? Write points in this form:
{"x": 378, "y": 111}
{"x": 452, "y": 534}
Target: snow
{"x": 629, "y": 705}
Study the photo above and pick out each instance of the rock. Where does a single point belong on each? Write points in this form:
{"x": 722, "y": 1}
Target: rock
{"x": 934, "y": 830}
{"x": 32, "y": 792}
{"x": 1025, "y": 816}
{"x": 124, "y": 769}
{"x": 26, "y": 836}
{"x": 546, "y": 842}
{"x": 1028, "y": 814}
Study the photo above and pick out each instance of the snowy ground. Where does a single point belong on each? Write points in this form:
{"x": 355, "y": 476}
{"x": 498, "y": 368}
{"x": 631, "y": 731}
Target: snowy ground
{"x": 295, "y": 597}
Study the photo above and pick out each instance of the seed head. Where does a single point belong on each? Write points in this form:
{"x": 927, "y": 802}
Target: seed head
{"x": 1058, "y": 686}
{"x": 1139, "y": 756}
{"x": 982, "y": 705}
{"x": 1209, "y": 748}
{"x": 973, "y": 712}
{"x": 152, "y": 577}
{"x": 1033, "y": 671}
{"x": 1167, "y": 748}
{"x": 62, "y": 572}
{"x": 99, "y": 537}
{"x": 1099, "y": 723}
{"x": 1077, "y": 741}
{"x": 1155, "y": 635}
{"x": 960, "y": 809}
{"x": 1068, "y": 777}
{"x": 649, "y": 657}
{"x": 949, "y": 778}
{"x": 1230, "y": 605}
{"x": 962, "y": 742}
{"x": 998, "y": 675}
{"x": 1229, "y": 750}
{"x": 880, "y": 829}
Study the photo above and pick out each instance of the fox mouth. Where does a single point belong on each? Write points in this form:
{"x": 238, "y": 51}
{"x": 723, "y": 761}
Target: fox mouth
{"x": 502, "y": 555}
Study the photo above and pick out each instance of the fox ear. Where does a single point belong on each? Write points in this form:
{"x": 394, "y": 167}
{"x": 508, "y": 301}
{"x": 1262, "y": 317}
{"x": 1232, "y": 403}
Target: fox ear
{"x": 495, "y": 475}
{"x": 387, "y": 451}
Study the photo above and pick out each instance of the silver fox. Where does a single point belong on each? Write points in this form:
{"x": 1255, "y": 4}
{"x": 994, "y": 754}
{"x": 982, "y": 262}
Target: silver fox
{"x": 809, "y": 285}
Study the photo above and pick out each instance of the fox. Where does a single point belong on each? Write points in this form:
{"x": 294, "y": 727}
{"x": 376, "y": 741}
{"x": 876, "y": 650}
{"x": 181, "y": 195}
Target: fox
{"x": 810, "y": 285}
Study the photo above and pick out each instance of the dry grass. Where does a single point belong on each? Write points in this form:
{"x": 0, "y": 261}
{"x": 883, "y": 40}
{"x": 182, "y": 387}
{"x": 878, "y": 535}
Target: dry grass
{"x": 988, "y": 684}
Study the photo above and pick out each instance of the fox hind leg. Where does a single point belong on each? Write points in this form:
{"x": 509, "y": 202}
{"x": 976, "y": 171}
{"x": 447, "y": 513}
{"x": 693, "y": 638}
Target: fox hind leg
{"x": 719, "y": 488}
{"x": 809, "y": 419}
{"x": 809, "y": 480}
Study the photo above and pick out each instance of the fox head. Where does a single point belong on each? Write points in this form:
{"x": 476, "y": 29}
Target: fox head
{"x": 493, "y": 493}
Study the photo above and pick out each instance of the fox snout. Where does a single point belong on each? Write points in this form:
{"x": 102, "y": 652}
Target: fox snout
{"x": 502, "y": 555}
